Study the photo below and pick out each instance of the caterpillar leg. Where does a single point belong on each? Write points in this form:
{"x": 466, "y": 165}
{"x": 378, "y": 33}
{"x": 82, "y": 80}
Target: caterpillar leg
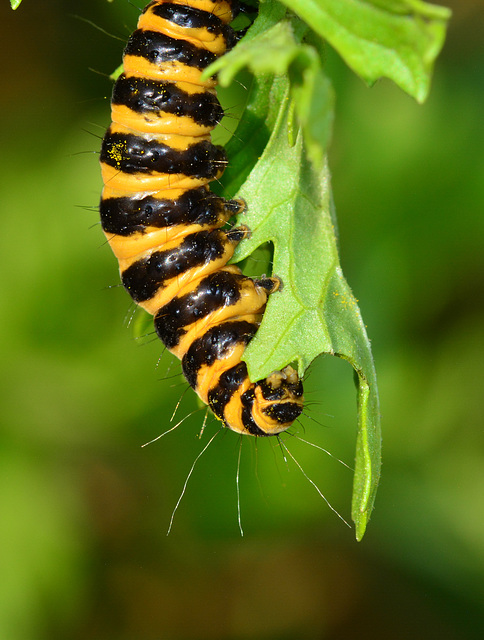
{"x": 237, "y": 234}
{"x": 269, "y": 284}
{"x": 235, "y": 206}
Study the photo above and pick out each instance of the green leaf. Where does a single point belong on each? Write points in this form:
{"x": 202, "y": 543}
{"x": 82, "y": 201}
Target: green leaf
{"x": 396, "y": 39}
{"x": 274, "y": 46}
{"x": 15, "y": 3}
{"x": 277, "y": 166}
{"x": 253, "y": 132}
{"x": 406, "y": 7}
{"x": 290, "y": 206}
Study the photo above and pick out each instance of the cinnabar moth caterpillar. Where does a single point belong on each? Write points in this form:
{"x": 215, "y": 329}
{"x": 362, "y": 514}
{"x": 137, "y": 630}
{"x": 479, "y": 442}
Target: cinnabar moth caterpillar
{"x": 167, "y": 228}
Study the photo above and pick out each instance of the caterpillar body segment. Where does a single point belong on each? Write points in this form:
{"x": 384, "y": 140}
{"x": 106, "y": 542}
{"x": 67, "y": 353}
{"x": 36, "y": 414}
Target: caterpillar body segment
{"x": 169, "y": 231}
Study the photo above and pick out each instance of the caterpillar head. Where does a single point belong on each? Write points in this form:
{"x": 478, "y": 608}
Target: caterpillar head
{"x": 274, "y": 404}
{"x": 263, "y": 408}
{"x": 270, "y": 405}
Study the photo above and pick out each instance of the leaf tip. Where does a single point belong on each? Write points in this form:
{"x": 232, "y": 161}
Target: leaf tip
{"x": 360, "y": 525}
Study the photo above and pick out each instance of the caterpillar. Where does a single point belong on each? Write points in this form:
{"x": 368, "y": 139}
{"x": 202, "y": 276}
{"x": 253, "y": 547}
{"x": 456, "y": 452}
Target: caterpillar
{"x": 169, "y": 232}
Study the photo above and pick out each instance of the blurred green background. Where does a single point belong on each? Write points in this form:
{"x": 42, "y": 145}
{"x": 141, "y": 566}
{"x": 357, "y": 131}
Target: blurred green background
{"x": 84, "y": 509}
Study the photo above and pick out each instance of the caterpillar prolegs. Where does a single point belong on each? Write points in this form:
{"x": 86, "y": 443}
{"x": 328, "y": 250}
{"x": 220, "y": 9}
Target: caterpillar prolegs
{"x": 168, "y": 230}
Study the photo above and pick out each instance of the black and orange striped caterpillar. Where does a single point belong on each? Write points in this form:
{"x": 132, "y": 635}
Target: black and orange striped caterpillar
{"x": 169, "y": 231}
